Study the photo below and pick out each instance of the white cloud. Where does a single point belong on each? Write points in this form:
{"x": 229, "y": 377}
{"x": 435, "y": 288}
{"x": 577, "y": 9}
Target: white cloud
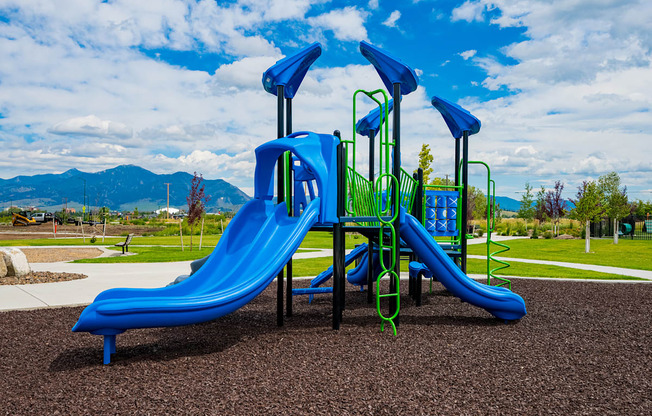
{"x": 468, "y": 54}
{"x": 469, "y": 11}
{"x": 92, "y": 126}
{"x": 392, "y": 19}
{"x": 373, "y": 4}
{"x": 347, "y": 24}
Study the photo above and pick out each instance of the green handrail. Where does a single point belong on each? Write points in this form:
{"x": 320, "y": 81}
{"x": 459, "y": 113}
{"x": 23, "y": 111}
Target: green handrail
{"x": 490, "y": 256}
{"x": 392, "y": 247}
{"x": 491, "y": 219}
{"x": 384, "y": 143}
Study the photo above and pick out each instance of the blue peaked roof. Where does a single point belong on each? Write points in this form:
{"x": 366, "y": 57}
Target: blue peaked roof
{"x": 390, "y": 69}
{"x": 291, "y": 70}
{"x": 457, "y": 119}
{"x": 371, "y": 121}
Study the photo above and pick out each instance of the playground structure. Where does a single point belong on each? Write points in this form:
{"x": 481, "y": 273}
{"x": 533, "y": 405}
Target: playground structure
{"x": 319, "y": 188}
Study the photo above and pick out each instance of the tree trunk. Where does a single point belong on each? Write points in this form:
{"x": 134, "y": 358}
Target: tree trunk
{"x": 587, "y": 241}
{"x": 192, "y": 228}
{"x": 615, "y": 231}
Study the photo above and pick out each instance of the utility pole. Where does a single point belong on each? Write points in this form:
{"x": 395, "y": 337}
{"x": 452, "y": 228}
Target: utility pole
{"x": 167, "y": 212}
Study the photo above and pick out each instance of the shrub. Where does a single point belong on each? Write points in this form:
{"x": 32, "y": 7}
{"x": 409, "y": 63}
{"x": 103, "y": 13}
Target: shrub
{"x": 520, "y": 230}
{"x": 535, "y": 232}
{"x": 547, "y": 235}
{"x": 480, "y": 232}
{"x": 93, "y": 239}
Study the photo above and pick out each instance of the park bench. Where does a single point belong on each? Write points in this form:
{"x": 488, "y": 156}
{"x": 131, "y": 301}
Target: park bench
{"x": 125, "y": 244}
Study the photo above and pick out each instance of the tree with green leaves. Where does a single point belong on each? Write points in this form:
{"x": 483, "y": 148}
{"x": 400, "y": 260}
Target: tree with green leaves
{"x": 616, "y": 204}
{"x": 425, "y": 159}
{"x": 540, "y": 205}
{"x": 526, "y": 211}
{"x": 588, "y": 207}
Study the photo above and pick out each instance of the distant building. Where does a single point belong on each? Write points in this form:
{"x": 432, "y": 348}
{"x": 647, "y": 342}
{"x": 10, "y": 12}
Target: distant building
{"x": 70, "y": 210}
{"x": 172, "y": 211}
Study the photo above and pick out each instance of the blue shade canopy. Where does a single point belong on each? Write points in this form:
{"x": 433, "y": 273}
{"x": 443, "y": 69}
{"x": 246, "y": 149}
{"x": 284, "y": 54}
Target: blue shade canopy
{"x": 291, "y": 70}
{"x": 457, "y": 119}
{"x": 390, "y": 69}
{"x": 371, "y": 122}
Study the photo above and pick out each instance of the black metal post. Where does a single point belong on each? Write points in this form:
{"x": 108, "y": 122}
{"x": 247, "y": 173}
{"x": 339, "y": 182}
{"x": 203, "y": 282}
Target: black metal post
{"x": 288, "y": 267}
{"x": 457, "y": 162}
{"x": 465, "y": 195}
{"x": 370, "y": 246}
{"x": 279, "y": 198}
{"x": 338, "y": 240}
{"x": 396, "y": 170}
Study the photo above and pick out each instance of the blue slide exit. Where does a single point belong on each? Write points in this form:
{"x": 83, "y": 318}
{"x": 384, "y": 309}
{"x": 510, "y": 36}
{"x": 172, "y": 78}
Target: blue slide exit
{"x": 499, "y": 301}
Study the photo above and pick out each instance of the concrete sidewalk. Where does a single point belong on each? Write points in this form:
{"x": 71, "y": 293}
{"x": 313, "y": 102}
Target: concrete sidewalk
{"x": 102, "y": 276}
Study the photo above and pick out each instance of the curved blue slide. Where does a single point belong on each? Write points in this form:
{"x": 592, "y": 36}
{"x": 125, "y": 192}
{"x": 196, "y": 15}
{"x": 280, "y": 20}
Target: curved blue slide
{"x": 252, "y": 251}
{"x": 499, "y": 301}
{"x": 256, "y": 245}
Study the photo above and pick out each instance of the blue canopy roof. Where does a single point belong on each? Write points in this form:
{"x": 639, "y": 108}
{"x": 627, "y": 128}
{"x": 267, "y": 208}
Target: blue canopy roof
{"x": 457, "y": 119}
{"x": 290, "y": 71}
{"x": 371, "y": 121}
{"x": 390, "y": 69}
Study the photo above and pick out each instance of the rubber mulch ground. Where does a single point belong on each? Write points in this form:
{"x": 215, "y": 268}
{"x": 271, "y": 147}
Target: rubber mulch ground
{"x": 583, "y": 348}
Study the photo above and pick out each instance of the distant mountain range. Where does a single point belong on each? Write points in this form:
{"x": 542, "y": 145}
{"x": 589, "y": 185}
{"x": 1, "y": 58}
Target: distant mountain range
{"x": 122, "y": 188}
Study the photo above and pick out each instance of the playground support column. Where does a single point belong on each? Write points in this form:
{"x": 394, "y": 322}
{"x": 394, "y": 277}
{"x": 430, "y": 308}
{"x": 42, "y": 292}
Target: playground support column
{"x": 418, "y": 204}
{"x": 465, "y": 195}
{"x": 288, "y": 267}
{"x": 396, "y": 171}
{"x": 279, "y": 198}
{"x": 370, "y": 245}
{"x": 338, "y": 240}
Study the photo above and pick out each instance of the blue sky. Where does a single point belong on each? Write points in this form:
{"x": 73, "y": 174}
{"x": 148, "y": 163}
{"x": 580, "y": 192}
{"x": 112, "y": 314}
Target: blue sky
{"x": 563, "y": 88}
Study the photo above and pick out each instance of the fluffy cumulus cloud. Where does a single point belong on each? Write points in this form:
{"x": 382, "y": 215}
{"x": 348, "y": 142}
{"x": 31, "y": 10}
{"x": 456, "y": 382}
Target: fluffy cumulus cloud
{"x": 579, "y": 81}
{"x": 392, "y": 19}
{"x": 80, "y": 90}
{"x": 345, "y": 24}
{"x": 468, "y": 54}
{"x": 92, "y": 126}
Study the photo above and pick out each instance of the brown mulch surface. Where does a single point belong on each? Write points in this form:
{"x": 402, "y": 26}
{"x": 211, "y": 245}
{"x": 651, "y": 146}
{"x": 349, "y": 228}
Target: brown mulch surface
{"x": 41, "y": 277}
{"x": 51, "y": 255}
{"x": 583, "y": 348}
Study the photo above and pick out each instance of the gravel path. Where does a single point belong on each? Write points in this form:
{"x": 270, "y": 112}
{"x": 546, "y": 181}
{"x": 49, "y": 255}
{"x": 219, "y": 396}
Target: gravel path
{"x": 52, "y": 255}
{"x": 583, "y": 348}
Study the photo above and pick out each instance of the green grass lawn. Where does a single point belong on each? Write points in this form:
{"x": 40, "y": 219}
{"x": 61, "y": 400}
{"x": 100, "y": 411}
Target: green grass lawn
{"x": 312, "y": 267}
{"x": 477, "y": 266}
{"x": 314, "y": 239}
{"x": 157, "y": 255}
{"x": 208, "y": 240}
{"x": 633, "y": 254}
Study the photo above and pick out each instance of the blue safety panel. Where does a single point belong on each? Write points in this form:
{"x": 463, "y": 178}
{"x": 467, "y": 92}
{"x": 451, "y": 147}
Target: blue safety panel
{"x": 371, "y": 122}
{"x": 457, "y": 119}
{"x": 290, "y": 71}
{"x": 441, "y": 213}
{"x": 391, "y": 70}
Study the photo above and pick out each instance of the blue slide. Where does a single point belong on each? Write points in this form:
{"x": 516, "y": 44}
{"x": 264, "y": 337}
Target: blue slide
{"x": 323, "y": 277}
{"x": 254, "y": 248}
{"x": 499, "y": 301}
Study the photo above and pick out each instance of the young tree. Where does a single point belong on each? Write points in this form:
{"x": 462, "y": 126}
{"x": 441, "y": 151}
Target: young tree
{"x": 425, "y": 159}
{"x": 197, "y": 200}
{"x": 555, "y": 205}
{"x": 540, "y": 205}
{"x": 588, "y": 207}
{"x": 616, "y": 204}
{"x": 526, "y": 211}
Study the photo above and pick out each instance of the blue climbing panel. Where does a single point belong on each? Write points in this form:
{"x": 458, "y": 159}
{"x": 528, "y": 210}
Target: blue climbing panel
{"x": 441, "y": 213}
